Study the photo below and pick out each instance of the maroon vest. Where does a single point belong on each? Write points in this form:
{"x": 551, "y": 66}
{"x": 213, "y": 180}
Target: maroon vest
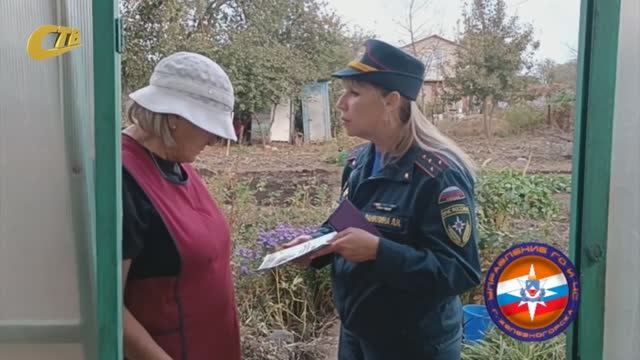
{"x": 191, "y": 316}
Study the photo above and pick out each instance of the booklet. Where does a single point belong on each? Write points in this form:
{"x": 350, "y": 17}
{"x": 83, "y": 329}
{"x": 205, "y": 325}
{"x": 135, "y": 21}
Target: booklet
{"x": 345, "y": 216}
{"x": 286, "y": 255}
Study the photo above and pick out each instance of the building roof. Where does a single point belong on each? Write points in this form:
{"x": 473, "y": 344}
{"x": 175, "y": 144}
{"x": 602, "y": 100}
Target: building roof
{"x": 430, "y": 37}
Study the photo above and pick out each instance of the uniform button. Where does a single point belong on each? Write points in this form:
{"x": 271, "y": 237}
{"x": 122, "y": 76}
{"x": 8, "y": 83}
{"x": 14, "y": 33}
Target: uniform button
{"x": 440, "y": 162}
{"x": 432, "y": 168}
{"x": 429, "y": 160}
{"x": 353, "y": 163}
{"x": 406, "y": 176}
{"x": 424, "y": 156}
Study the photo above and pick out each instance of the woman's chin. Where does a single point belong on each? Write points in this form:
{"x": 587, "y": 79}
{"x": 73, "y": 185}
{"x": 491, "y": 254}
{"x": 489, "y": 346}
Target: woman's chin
{"x": 358, "y": 134}
{"x": 348, "y": 130}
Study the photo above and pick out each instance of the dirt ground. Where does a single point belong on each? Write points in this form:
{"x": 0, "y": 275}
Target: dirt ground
{"x": 541, "y": 151}
{"x": 281, "y": 167}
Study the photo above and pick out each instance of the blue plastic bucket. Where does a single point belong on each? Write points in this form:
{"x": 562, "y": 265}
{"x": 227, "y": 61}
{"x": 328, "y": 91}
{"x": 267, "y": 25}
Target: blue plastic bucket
{"x": 476, "y": 322}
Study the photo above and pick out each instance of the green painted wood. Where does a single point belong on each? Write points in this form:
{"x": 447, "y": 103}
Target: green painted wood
{"x": 591, "y": 171}
{"x": 106, "y": 70}
{"x": 575, "y": 230}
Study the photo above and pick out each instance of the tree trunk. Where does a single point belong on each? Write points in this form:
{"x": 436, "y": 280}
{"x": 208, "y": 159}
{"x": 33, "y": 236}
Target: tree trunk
{"x": 484, "y": 118}
{"x": 487, "y": 114}
{"x": 263, "y": 134}
{"x": 492, "y": 106}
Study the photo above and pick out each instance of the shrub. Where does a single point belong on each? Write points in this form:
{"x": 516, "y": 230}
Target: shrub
{"x": 522, "y": 117}
{"x": 563, "y": 103}
{"x": 499, "y": 346}
{"x": 505, "y": 195}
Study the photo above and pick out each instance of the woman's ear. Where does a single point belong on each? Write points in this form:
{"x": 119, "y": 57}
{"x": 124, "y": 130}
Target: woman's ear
{"x": 392, "y": 101}
{"x": 172, "y": 121}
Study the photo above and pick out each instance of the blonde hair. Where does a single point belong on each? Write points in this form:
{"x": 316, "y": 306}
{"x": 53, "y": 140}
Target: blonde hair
{"x": 428, "y": 137}
{"x": 415, "y": 128}
{"x": 153, "y": 123}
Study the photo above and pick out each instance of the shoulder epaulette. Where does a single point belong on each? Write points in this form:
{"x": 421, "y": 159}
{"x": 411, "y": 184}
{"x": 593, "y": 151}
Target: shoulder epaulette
{"x": 432, "y": 163}
{"x": 355, "y": 152}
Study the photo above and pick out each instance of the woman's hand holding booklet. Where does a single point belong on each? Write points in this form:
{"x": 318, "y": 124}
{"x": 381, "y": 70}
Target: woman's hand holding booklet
{"x": 296, "y": 249}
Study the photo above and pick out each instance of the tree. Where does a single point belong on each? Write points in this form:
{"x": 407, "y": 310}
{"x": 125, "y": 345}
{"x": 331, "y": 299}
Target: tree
{"x": 269, "y": 48}
{"x": 557, "y": 84}
{"x": 414, "y": 28}
{"x": 549, "y": 72}
{"x": 430, "y": 54}
{"x": 280, "y": 46}
{"x": 495, "y": 50}
{"x": 156, "y": 28}
{"x": 418, "y": 30}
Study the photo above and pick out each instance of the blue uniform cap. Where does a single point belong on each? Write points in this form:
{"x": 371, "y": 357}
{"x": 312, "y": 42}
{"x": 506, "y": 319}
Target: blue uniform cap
{"x": 387, "y": 66}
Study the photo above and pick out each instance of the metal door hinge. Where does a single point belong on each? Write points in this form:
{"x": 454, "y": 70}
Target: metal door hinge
{"x": 119, "y": 33}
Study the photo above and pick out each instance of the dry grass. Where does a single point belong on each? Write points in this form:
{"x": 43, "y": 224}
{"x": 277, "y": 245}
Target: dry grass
{"x": 473, "y": 125}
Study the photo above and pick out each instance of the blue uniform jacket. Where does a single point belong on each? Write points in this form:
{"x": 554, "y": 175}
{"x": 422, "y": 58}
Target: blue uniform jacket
{"x": 408, "y": 296}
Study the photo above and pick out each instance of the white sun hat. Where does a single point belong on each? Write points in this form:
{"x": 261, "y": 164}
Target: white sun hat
{"x": 194, "y": 87}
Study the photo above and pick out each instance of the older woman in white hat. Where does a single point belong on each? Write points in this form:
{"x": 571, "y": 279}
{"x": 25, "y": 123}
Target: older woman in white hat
{"x": 179, "y": 293}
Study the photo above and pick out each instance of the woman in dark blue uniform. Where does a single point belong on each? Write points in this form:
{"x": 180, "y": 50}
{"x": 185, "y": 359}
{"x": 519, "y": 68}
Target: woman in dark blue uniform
{"x": 398, "y": 294}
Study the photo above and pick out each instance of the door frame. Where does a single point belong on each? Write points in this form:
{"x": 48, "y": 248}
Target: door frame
{"x": 595, "y": 100}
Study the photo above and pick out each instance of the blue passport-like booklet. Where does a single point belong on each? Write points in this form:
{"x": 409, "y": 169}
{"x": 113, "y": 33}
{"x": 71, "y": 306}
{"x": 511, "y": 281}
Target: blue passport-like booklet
{"x": 347, "y": 215}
